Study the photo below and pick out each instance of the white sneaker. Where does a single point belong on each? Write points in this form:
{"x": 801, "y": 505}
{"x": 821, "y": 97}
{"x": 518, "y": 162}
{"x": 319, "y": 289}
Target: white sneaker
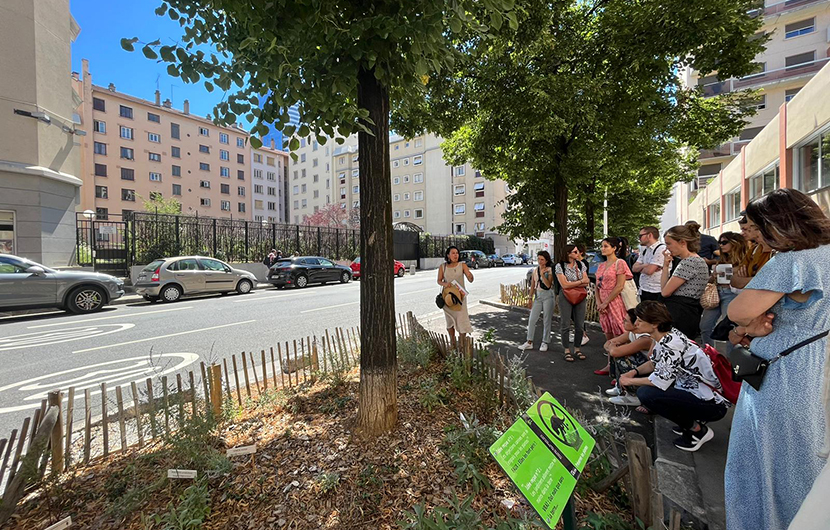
{"x": 613, "y": 391}
{"x": 627, "y": 400}
{"x": 526, "y": 346}
{"x": 585, "y": 338}
{"x": 543, "y": 347}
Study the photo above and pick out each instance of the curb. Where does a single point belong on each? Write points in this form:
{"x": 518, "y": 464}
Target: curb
{"x": 130, "y": 296}
{"x": 593, "y": 326}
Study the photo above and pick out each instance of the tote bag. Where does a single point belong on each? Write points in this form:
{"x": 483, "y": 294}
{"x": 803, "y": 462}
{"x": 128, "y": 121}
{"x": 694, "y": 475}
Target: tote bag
{"x": 629, "y": 292}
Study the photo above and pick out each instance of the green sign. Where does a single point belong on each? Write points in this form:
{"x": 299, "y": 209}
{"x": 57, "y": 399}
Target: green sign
{"x": 544, "y": 453}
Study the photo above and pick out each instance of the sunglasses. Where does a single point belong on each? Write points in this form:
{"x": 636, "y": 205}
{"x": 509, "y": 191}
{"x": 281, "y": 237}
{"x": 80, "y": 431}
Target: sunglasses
{"x": 724, "y": 242}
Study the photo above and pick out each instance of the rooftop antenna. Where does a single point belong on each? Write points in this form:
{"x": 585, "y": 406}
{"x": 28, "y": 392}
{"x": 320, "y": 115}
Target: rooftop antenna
{"x": 157, "y": 81}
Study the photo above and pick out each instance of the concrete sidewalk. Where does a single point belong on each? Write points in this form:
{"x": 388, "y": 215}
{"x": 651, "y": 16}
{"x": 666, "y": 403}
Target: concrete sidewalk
{"x": 692, "y": 482}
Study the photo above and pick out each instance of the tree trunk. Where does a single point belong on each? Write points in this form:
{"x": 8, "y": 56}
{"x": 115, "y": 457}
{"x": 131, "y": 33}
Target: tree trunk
{"x": 590, "y": 215}
{"x": 378, "y": 398}
{"x": 560, "y": 224}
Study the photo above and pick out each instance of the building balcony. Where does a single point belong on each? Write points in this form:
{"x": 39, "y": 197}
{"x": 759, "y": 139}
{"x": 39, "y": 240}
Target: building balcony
{"x": 782, "y": 7}
{"x": 723, "y": 150}
{"x": 769, "y": 77}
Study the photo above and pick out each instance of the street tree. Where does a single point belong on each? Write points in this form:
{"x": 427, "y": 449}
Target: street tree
{"x": 334, "y": 216}
{"x": 587, "y": 96}
{"x": 345, "y": 63}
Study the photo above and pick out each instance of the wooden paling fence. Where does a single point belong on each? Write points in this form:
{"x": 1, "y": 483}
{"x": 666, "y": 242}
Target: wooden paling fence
{"x": 518, "y": 295}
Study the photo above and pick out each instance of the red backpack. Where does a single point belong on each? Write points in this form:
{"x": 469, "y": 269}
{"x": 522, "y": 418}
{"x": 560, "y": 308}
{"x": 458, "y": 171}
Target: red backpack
{"x": 723, "y": 371}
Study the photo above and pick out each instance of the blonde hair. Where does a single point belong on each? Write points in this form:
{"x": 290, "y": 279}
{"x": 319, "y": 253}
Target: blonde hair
{"x": 690, "y": 233}
{"x": 740, "y": 249}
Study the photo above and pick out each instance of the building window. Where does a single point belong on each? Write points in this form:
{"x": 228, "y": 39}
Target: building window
{"x": 153, "y": 117}
{"x": 126, "y": 112}
{"x": 102, "y": 214}
{"x": 272, "y": 206}
{"x": 204, "y": 131}
{"x": 240, "y": 159}
{"x": 155, "y": 177}
{"x": 240, "y": 174}
{"x": 396, "y": 197}
{"x": 417, "y": 178}
{"x": 802, "y": 27}
{"x": 156, "y": 196}
{"x": 419, "y": 214}
{"x": 790, "y": 93}
{"x": 223, "y": 138}
{"x": 257, "y": 173}
{"x": 174, "y": 131}
{"x": 406, "y": 196}
{"x": 269, "y": 160}
{"x": 305, "y": 203}
{"x": 342, "y": 193}
{"x": 204, "y": 149}
{"x": 460, "y": 228}
{"x": 99, "y": 104}
{"x": 355, "y": 189}
{"x": 225, "y": 188}
{"x": 177, "y": 189}
{"x": 204, "y": 166}
{"x": 296, "y": 204}
{"x": 273, "y": 176}
{"x": 713, "y": 214}
{"x": 419, "y": 142}
{"x": 405, "y": 179}
{"x": 733, "y": 204}
{"x": 257, "y": 158}
{"x": 99, "y": 126}
{"x": 127, "y": 173}
{"x": 204, "y": 201}
{"x": 355, "y": 158}
{"x": 127, "y": 195}
{"x": 225, "y": 206}
{"x": 418, "y": 196}
{"x": 459, "y": 189}
{"x": 396, "y": 163}
{"x": 240, "y": 142}
{"x": 406, "y": 213}
{"x": 224, "y": 155}
{"x": 406, "y": 161}
{"x": 224, "y": 172}
{"x": 296, "y": 190}
{"x": 315, "y": 163}
{"x": 205, "y": 184}
{"x": 316, "y": 194}
{"x": 814, "y": 164}
{"x": 417, "y": 160}
{"x": 175, "y": 152}
{"x": 154, "y": 157}
{"x": 176, "y": 171}
{"x": 126, "y": 133}
{"x": 460, "y": 209}
{"x": 240, "y": 190}
{"x": 760, "y": 103}
{"x": 479, "y": 207}
{"x": 479, "y": 227}
{"x": 127, "y": 153}
{"x": 397, "y": 214}
{"x": 302, "y": 157}
{"x": 100, "y": 170}
{"x": 460, "y": 171}
{"x": 396, "y": 180}
{"x": 257, "y": 188}
{"x": 764, "y": 182}
{"x": 302, "y": 173}
{"x": 342, "y": 160}
{"x": 101, "y": 192}
{"x": 802, "y": 59}
{"x": 153, "y": 137}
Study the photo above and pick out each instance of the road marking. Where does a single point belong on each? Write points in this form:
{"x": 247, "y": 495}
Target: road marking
{"x": 163, "y": 336}
{"x": 328, "y": 307}
{"x": 421, "y": 291}
{"x": 32, "y": 315}
{"x": 269, "y": 297}
{"x": 126, "y": 314}
{"x": 46, "y": 338}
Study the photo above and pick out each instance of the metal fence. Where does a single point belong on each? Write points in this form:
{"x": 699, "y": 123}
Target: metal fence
{"x": 433, "y": 246}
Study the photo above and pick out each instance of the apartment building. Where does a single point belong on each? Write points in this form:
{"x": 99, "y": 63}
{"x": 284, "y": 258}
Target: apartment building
{"x": 39, "y": 142}
{"x": 269, "y": 184}
{"x": 136, "y": 149}
{"x": 426, "y": 191}
{"x": 311, "y": 183}
{"x": 799, "y": 46}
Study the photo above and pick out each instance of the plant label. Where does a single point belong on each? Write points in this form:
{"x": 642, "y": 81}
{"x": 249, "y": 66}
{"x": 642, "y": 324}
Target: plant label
{"x": 243, "y": 450}
{"x": 181, "y": 473}
{"x": 60, "y": 525}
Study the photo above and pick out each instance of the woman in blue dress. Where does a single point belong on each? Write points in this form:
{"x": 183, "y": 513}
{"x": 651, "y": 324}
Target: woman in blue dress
{"x": 778, "y": 431}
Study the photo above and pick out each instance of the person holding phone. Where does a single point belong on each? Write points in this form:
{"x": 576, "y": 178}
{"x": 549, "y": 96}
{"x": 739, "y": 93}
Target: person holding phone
{"x": 541, "y": 301}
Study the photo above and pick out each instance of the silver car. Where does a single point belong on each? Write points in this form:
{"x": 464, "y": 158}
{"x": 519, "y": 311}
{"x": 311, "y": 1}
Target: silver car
{"x": 25, "y": 284}
{"x": 169, "y": 279}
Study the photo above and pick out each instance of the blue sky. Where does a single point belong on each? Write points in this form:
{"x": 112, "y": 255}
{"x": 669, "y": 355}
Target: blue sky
{"x": 104, "y": 23}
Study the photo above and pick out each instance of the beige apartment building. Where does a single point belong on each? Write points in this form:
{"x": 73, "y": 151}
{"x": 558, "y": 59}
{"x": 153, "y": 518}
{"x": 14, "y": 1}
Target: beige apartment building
{"x": 269, "y": 184}
{"x": 136, "y": 149}
{"x": 426, "y": 191}
{"x": 311, "y": 183}
{"x": 39, "y": 142}
{"x": 799, "y": 46}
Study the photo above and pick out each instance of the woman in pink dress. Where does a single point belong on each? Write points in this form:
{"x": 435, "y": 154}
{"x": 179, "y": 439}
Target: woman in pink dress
{"x": 611, "y": 276}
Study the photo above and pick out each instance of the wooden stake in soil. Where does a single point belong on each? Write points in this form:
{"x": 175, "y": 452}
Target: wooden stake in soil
{"x": 166, "y": 405}
{"x": 122, "y": 427}
{"x": 253, "y": 369}
{"x": 152, "y": 403}
{"x": 3, "y": 443}
{"x": 13, "y": 469}
{"x": 216, "y": 389}
{"x": 264, "y": 372}
{"x": 180, "y": 398}
{"x": 639, "y": 458}
{"x": 70, "y": 411}
{"x": 137, "y": 412}
{"x": 87, "y": 425}
{"x": 56, "y": 438}
{"x": 35, "y": 425}
{"x": 236, "y": 378}
{"x": 245, "y": 373}
{"x": 273, "y": 367}
{"x": 24, "y": 430}
{"x": 282, "y": 372}
{"x": 227, "y": 377}
{"x": 205, "y": 385}
{"x": 104, "y": 425}
{"x": 194, "y": 409}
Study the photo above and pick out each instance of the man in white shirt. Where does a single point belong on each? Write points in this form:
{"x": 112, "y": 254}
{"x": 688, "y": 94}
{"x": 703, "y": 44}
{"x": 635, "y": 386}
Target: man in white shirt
{"x": 650, "y": 263}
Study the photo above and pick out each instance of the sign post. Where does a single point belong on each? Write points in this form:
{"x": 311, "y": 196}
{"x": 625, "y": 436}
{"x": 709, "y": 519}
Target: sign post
{"x": 544, "y": 454}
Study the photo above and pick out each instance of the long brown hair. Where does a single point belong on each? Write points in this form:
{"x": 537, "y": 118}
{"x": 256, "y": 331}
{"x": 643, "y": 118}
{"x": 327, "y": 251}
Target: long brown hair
{"x": 690, "y": 233}
{"x": 740, "y": 249}
{"x": 789, "y": 220}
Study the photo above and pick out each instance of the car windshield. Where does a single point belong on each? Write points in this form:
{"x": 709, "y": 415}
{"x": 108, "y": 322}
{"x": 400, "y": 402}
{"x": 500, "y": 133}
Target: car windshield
{"x": 283, "y": 263}
{"x": 153, "y": 266}
{"x": 357, "y": 260}
{"x": 29, "y": 263}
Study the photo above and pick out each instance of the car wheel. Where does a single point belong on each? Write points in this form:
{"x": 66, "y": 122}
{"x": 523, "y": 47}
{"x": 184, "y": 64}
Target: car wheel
{"x": 401, "y": 272}
{"x": 171, "y": 293}
{"x": 280, "y": 287}
{"x": 302, "y": 281}
{"x": 244, "y": 286}
{"x": 475, "y": 265}
{"x": 86, "y": 300}
{"x": 345, "y": 277}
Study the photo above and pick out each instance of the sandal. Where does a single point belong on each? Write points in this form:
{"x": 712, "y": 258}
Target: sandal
{"x": 642, "y": 410}
{"x": 569, "y": 357}
{"x": 580, "y": 355}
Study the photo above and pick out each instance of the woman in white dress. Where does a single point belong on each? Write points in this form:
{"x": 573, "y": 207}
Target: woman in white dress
{"x": 453, "y": 270}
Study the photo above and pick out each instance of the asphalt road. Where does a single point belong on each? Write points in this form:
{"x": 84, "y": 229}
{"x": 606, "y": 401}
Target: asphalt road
{"x": 131, "y": 342}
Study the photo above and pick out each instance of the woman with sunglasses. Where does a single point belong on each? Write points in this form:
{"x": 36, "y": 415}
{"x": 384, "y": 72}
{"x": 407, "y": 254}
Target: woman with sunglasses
{"x": 611, "y": 277}
{"x": 572, "y": 275}
{"x": 733, "y": 253}
{"x": 779, "y": 430}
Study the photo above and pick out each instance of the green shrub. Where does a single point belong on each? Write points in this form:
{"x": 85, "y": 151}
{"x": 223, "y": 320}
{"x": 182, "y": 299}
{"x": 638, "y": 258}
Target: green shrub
{"x": 467, "y": 446}
{"x": 327, "y": 481}
{"x": 415, "y": 352}
{"x": 432, "y": 396}
{"x": 191, "y": 511}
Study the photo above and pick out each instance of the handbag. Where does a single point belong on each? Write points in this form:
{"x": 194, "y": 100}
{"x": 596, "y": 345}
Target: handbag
{"x": 746, "y": 366}
{"x": 629, "y": 294}
{"x": 710, "y": 299}
{"x": 575, "y": 295}
{"x": 439, "y": 301}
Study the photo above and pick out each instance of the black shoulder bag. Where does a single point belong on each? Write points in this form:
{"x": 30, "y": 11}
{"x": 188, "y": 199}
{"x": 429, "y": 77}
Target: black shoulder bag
{"x": 746, "y": 366}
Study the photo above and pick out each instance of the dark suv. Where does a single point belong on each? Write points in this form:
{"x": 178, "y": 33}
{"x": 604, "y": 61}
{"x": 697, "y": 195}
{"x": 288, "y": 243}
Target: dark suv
{"x": 302, "y": 270}
{"x": 474, "y": 258}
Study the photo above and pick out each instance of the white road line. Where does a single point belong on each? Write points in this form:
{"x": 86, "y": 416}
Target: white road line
{"x": 436, "y": 289}
{"x": 125, "y": 315}
{"x": 163, "y": 336}
{"x": 328, "y": 307}
{"x": 268, "y": 297}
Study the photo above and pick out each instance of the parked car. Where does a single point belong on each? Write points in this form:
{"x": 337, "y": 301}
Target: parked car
{"x": 474, "y": 258}
{"x": 169, "y": 279}
{"x": 399, "y": 268}
{"x": 526, "y": 258}
{"x": 495, "y": 260}
{"x": 511, "y": 259}
{"x": 25, "y": 284}
{"x": 300, "y": 271}
{"x": 593, "y": 258}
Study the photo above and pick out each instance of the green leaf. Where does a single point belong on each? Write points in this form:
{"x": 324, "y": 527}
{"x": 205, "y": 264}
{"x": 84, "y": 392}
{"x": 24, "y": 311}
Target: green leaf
{"x": 208, "y": 86}
{"x": 303, "y": 131}
{"x": 166, "y": 53}
{"x": 173, "y": 15}
{"x": 496, "y": 20}
{"x": 127, "y": 44}
{"x": 256, "y": 143}
{"x": 294, "y": 144}
{"x": 455, "y": 25}
{"x": 149, "y": 52}
{"x": 161, "y": 10}
{"x": 172, "y": 70}
{"x": 513, "y": 21}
